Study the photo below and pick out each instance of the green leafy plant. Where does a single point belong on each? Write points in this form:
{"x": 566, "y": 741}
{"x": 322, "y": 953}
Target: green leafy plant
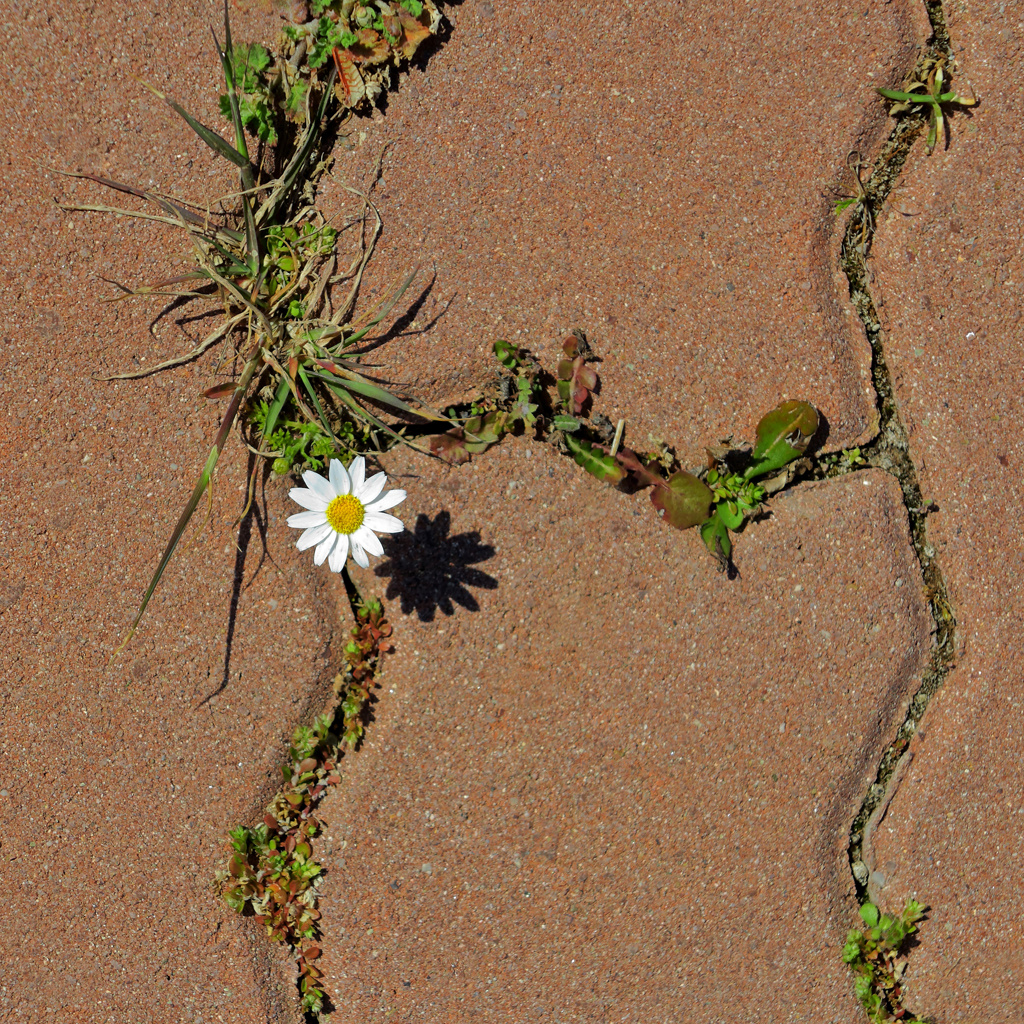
{"x": 272, "y": 872}
{"x": 255, "y": 104}
{"x": 925, "y": 91}
{"x": 877, "y": 956}
{"x": 514, "y": 405}
{"x": 271, "y": 264}
{"x": 839, "y": 463}
{"x": 362, "y": 42}
{"x": 719, "y": 499}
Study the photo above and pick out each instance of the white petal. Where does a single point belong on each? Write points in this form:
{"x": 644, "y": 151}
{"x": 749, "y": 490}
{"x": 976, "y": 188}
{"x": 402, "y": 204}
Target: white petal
{"x": 365, "y": 537}
{"x": 389, "y": 500}
{"x": 318, "y": 485}
{"x": 301, "y": 519}
{"x": 339, "y": 478}
{"x": 325, "y": 547}
{"x": 340, "y": 553}
{"x": 372, "y": 488}
{"x": 308, "y": 499}
{"x": 357, "y": 474}
{"x": 314, "y": 535}
{"x": 358, "y": 553}
{"x": 383, "y": 523}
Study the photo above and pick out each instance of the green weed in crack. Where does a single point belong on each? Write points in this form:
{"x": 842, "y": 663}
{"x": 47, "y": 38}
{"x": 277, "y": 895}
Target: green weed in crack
{"x": 925, "y": 92}
{"x": 273, "y": 873}
{"x": 270, "y": 264}
{"x": 718, "y": 498}
{"x": 876, "y": 955}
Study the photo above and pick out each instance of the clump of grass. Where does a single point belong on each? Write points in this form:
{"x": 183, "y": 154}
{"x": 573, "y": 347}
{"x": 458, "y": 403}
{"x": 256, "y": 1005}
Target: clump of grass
{"x": 271, "y": 263}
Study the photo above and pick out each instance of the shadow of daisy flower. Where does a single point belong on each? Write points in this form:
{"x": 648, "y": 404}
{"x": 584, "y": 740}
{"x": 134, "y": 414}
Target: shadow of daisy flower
{"x": 427, "y": 569}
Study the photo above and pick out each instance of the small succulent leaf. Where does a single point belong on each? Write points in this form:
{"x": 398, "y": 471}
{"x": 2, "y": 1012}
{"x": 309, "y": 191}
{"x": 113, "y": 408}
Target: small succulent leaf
{"x": 594, "y": 461}
{"x": 782, "y": 436}
{"x": 566, "y": 423}
{"x": 450, "y": 446}
{"x": 869, "y": 913}
{"x": 683, "y": 500}
{"x": 716, "y": 539}
{"x": 506, "y": 353}
{"x": 730, "y": 514}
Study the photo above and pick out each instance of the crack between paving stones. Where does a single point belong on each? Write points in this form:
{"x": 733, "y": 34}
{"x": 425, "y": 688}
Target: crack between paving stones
{"x": 890, "y": 451}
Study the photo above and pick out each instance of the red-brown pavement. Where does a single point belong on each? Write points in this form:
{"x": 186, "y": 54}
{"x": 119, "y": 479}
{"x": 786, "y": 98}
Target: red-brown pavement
{"x": 601, "y": 793}
{"x": 118, "y": 782}
{"x": 655, "y": 175}
{"x": 950, "y": 280}
{"x": 700, "y": 258}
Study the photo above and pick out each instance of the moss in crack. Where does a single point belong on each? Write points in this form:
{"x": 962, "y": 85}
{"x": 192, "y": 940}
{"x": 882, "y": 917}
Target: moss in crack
{"x": 273, "y": 872}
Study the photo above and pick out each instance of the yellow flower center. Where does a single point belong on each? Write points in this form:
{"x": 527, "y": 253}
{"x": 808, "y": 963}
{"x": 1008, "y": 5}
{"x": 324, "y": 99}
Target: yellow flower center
{"x": 345, "y": 513}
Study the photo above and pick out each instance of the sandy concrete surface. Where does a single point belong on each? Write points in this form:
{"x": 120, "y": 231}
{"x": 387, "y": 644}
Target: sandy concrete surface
{"x": 603, "y": 782}
{"x": 951, "y": 278}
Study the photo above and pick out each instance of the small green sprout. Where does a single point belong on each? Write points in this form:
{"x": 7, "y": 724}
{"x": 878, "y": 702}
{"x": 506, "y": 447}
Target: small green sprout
{"x": 877, "y": 956}
{"x": 860, "y": 200}
{"x": 927, "y": 92}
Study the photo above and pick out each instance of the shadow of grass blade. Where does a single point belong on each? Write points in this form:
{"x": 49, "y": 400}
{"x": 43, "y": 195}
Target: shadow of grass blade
{"x": 197, "y": 493}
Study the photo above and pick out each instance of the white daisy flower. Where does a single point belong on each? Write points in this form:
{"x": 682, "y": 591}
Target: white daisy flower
{"x": 344, "y": 510}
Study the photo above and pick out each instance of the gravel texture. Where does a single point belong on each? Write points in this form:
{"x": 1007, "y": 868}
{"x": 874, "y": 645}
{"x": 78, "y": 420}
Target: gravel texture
{"x": 611, "y": 781}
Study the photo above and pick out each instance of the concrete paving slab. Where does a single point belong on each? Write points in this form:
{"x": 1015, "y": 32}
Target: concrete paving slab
{"x": 118, "y": 782}
{"x": 614, "y": 784}
{"x": 133, "y": 772}
{"x": 655, "y": 175}
{"x": 948, "y": 280}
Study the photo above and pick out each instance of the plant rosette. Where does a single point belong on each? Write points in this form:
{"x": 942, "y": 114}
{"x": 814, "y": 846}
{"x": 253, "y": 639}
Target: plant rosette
{"x": 342, "y": 513}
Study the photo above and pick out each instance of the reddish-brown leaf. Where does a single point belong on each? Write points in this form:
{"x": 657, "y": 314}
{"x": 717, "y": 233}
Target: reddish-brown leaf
{"x": 413, "y": 32}
{"x": 220, "y": 391}
{"x": 349, "y": 87}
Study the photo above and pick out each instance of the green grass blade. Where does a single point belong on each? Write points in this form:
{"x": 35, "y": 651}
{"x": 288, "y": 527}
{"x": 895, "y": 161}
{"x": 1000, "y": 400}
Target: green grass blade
{"x": 280, "y": 397}
{"x": 197, "y": 492}
{"x": 351, "y": 382}
{"x": 361, "y": 333}
{"x": 907, "y": 97}
{"x": 324, "y": 422}
{"x": 225, "y": 54}
{"x": 210, "y": 137}
{"x": 306, "y": 145}
{"x": 368, "y": 417}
